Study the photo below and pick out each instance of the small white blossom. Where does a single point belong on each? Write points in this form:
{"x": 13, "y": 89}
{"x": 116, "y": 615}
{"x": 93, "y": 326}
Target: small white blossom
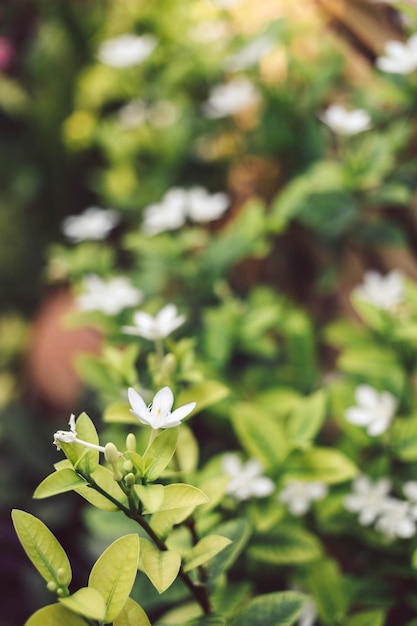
{"x": 399, "y": 58}
{"x": 298, "y": 495}
{"x": 229, "y": 98}
{"x": 110, "y": 297}
{"x": 70, "y": 436}
{"x": 249, "y": 55}
{"x": 205, "y": 207}
{"x": 396, "y": 520}
{"x": 344, "y": 122}
{"x": 158, "y": 414}
{"x": 246, "y": 480}
{"x": 158, "y": 327}
{"x": 383, "y": 292}
{"x": 94, "y": 223}
{"x": 375, "y": 410}
{"x": 126, "y": 50}
{"x": 368, "y": 498}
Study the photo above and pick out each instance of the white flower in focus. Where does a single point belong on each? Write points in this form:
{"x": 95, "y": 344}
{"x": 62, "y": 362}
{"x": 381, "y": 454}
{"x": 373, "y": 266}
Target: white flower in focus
{"x": 110, "y": 297}
{"x": 158, "y": 327}
{"x": 229, "y": 98}
{"x": 205, "y": 207}
{"x": 158, "y": 414}
{"x": 70, "y": 436}
{"x": 399, "y": 58}
{"x": 126, "y": 50}
{"x": 383, "y": 292}
{"x": 94, "y": 223}
{"x": 367, "y": 498}
{"x": 375, "y": 410}
{"x": 308, "y": 615}
{"x": 396, "y": 520}
{"x": 298, "y": 495}
{"x": 249, "y": 55}
{"x": 246, "y": 480}
{"x": 343, "y": 122}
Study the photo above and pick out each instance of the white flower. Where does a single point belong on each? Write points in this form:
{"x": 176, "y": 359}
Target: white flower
{"x": 70, "y": 436}
{"x": 133, "y": 114}
{"x": 110, "y": 296}
{"x": 249, "y": 55}
{"x": 205, "y": 207}
{"x": 158, "y": 414}
{"x": 374, "y": 409}
{"x": 368, "y": 498}
{"x": 298, "y": 495}
{"x": 399, "y": 58}
{"x": 169, "y": 214}
{"x": 126, "y": 50}
{"x": 343, "y": 122}
{"x": 383, "y": 292}
{"x": 229, "y": 98}
{"x": 158, "y": 327}
{"x": 210, "y": 32}
{"x": 396, "y": 520}
{"x": 246, "y": 480}
{"x": 93, "y": 223}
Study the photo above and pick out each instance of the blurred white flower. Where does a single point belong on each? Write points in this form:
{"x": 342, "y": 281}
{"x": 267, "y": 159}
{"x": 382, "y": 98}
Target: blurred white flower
{"x": 126, "y": 50}
{"x": 383, "y": 292}
{"x": 298, "y": 495}
{"x": 375, "y": 410}
{"x": 158, "y": 414}
{"x": 210, "y": 31}
{"x": 110, "y": 297}
{"x": 229, "y": 98}
{"x": 249, "y": 55}
{"x": 205, "y": 207}
{"x": 94, "y": 223}
{"x": 70, "y": 436}
{"x": 246, "y": 480}
{"x": 226, "y": 4}
{"x": 368, "y": 498}
{"x": 344, "y": 122}
{"x": 399, "y": 58}
{"x": 133, "y": 114}
{"x": 396, "y": 520}
{"x": 308, "y": 615}
{"x": 158, "y": 327}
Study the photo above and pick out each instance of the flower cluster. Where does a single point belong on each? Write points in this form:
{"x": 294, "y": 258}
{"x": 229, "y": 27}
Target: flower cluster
{"x": 391, "y": 516}
{"x": 344, "y": 122}
{"x": 126, "y": 50}
{"x": 229, "y": 98}
{"x": 382, "y": 292}
{"x": 246, "y": 480}
{"x": 93, "y": 224}
{"x": 108, "y": 296}
{"x": 298, "y": 495}
{"x": 375, "y": 410}
{"x": 399, "y": 57}
{"x": 179, "y": 204}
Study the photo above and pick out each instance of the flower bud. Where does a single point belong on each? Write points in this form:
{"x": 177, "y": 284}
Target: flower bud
{"x": 131, "y": 442}
{"x": 130, "y": 479}
{"x": 51, "y": 586}
{"x": 128, "y": 466}
{"x": 61, "y": 576}
{"x": 60, "y": 591}
{"x": 111, "y": 453}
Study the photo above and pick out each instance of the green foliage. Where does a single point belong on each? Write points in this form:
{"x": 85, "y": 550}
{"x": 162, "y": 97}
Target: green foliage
{"x": 279, "y": 609}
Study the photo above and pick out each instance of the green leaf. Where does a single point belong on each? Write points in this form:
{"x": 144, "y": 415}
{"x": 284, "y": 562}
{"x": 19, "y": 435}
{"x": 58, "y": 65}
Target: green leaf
{"x": 84, "y": 459}
{"x": 104, "y": 478}
{"x": 321, "y": 464}
{"x": 161, "y": 452}
{"x": 114, "y": 573}
{"x": 42, "y": 548}
{"x": 187, "y": 452}
{"x": 238, "y": 531}
{"x": 373, "y": 363}
{"x": 272, "y": 609}
{"x": 204, "y": 394}
{"x": 285, "y": 545}
{"x": 151, "y": 496}
{"x": 205, "y": 550}
{"x": 403, "y": 438}
{"x": 329, "y": 591}
{"x": 86, "y": 601}
{"x": 180, "y": 495}
{"x": 163, "y": 521}
{"x": 367, "y": 618}
{"x": 132, "y": 615}
{"x": 306, "y": 419}
{"x": 160, "y": 567}
{"x": 55, "y": 615}
{"x": 207, "y": 620}
{"x": 59, "y": 482}
{"x": 261, "y": 434}
{"x": 119, "y": 412}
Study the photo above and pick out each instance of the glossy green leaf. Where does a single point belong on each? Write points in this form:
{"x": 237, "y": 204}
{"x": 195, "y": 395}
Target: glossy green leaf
{"x": 179, "y": 495}
{"x": 205, "y": 550}
{"x": 367, "y": 618}
{"x": 55, "y": 615}
{"x": 43, "y": 549}
{"x": 272, "y": 609}
{"x": 151, "y": 497}
{"x": 204, "y": 393}
{"x": 104, "y": 478}
{"x": 161, "y": 567}
{"x": 59, "y": 482}
{"x": 161, "y": 452}
{"x": 132, "y": 615}
{"x": 163, "y": 521}
{"x": 403, "y": 438}
{"x": 306, "y": 419}
{"x": 207, "y": 620}
{"x": 114, "y": 573}
{"x": 321, "y": 464}
{"x": 238, "y": 531}
{"x": 87, "y": 602}
{"x": 329, "y": 591}
{"x": 285, "y": 545}
{"x": 187, "y": 452}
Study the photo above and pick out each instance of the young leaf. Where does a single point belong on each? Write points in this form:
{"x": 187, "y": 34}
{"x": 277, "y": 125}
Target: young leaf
{"x": 277, "y": 609}
{"x": 87, "y": 602}
{"x": 132, "y": 615}
{"x": 329, "y": 591}
{"x": 119, "y": 412}
{"x": 207, "y": 620}
{"x": 179, "y": 495}
{"x": 163, "y": 521}
{"x": 367, "y": 618}
{"x": 321, "y": 464}
{"x": 161, "y": 452}
{"x": 55, "y": 615}
{"x": 203, "y": 393}
{"x": 285, "y": 545}
{"x": 114, "y": 573}
{"x": 104, "y": 478}
{"x": 238, "y": 531}
{"x": 43, "y": 549}
{"x": 151, "y": 496}
{"x": 306, "y": 419}
{"x": 59, "y": 482}
{"x": 205, "y": 550}
{"x": 160, "y": 567}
